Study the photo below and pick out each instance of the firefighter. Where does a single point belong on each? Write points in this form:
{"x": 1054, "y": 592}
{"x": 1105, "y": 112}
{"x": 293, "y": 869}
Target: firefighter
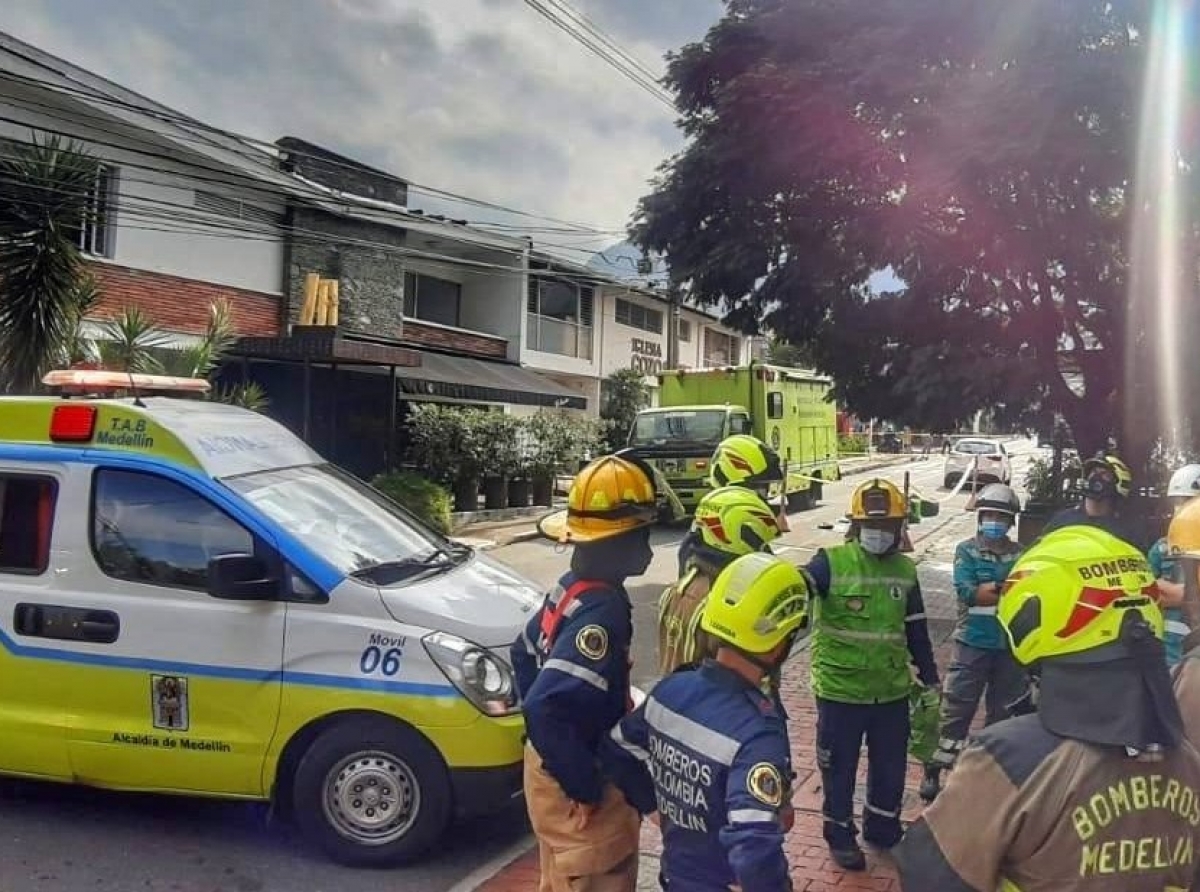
{"x": 1107, "y": 483}
{"x": 868, "y": 624}
{"x": 709, "y": 751}
{"x": 572, "y": 668}
{"x": 982, "y": 663}
{"x": 1184, "y": 485}
{"x": 1096, "y": 790}
{"x": 745, "y": 461}
{"x": 730, "y": 522}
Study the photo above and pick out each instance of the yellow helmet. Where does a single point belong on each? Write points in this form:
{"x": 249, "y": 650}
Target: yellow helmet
{"x": 743, "y": 460}
{"x": 756, "y": 602}
{"x": 878, "y": 499}
{"x": 609, "y": 497}
{"x": 1115, "y": 476}
{"x": 736, "y": 521}
{"x": 1183, "y": 535}
{"x": 1071, "y": 592}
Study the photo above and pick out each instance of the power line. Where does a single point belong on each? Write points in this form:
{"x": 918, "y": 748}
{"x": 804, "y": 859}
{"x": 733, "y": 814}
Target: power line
{"x": 258, "y": 152}
{"x": 596, "y": 31}
{"x": 609, "y": 56}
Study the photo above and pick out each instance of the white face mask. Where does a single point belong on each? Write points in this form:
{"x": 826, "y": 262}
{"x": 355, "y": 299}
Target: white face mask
{"x": 876, "y": 541}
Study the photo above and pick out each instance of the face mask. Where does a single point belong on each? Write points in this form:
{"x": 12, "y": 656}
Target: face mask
{"x": 993, "y": 529}
{"x": 876, "y": 541}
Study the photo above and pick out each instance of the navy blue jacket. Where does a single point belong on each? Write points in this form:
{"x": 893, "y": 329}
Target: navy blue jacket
{"x": 710, "y": 752}
{"x": 575, "y": 691}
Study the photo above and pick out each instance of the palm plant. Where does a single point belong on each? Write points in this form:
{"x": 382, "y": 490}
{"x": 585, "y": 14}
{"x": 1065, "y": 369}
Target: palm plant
{"x": 46, "y": 192}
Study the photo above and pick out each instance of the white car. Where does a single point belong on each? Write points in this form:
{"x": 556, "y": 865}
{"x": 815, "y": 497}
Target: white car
{"x": 993, "y": 466}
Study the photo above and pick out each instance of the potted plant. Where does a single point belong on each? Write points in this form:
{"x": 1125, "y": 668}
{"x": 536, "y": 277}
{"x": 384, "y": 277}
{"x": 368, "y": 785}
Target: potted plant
{"x": 1044, "y": 495}
{"x": 520, "y": 480}
{"x": 549, "y": 438}
{"x": 445, "y": 447}
{"x": 496, "y": 434}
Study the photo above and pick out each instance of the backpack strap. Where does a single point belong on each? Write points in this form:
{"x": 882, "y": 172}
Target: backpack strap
{"x": 554, "y": 614}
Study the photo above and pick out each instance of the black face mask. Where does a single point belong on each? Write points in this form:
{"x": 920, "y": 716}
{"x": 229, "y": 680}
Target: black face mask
{"x": 1101, "y": 485}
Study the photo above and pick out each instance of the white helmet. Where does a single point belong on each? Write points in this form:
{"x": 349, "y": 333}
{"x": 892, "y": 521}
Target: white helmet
{"x": 1185, "y": 482}
{"x": 998, "y": 497}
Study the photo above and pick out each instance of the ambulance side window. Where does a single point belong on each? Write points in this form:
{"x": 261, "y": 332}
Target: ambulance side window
{"x": 152, "y": 530}
{"x": 27, "y": 505}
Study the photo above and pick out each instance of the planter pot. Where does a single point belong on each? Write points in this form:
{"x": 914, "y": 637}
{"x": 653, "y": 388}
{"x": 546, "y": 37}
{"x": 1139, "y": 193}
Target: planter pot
{"x": 495, "y": 493}
{"x": 519, "y": 491}
{"x": 466, "y": 494}
{"x": 543, "y": 491}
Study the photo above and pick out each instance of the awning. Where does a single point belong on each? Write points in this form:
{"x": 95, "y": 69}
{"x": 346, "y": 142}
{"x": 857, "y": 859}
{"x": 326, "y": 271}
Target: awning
{"x": 476, "y": 380}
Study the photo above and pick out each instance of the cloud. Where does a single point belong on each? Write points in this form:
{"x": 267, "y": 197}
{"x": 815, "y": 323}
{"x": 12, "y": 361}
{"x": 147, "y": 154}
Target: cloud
{"x": 479, "y": 97}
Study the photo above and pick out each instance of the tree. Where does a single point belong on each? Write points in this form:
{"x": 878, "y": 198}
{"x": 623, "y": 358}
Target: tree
{"x": 780, "y": 352}
{"x": 45, "y": 196}
{"x": 985, "y": 152}
{"x": 624, "y": 394}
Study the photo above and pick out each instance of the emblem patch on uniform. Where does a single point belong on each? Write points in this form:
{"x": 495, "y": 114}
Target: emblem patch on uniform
{"x": 592, "y": 642}
{"x": 854, "y": 605}
{"x": 765, "y": 784}
{"x": 169, "y": 702}
{"x": 896, "y": 593}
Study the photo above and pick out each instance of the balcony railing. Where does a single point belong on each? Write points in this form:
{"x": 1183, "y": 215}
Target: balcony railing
{"x": 548, "y": 335}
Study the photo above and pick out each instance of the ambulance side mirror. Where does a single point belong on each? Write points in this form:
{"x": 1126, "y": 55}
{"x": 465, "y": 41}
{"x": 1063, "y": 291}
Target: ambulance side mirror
{"x": 241, "y": 577}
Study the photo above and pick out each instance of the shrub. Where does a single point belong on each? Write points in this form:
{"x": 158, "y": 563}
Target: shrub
{"x": 849, "y": 444}
{"x": 422, "y": 497}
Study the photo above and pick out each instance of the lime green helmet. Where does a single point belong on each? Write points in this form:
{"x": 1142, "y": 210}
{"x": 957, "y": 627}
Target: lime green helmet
{"x": 743, "y": 460}
{"x": 1071, "y": 593}
{"x": 756, "y": 603}
{"x": 736, "y": 521}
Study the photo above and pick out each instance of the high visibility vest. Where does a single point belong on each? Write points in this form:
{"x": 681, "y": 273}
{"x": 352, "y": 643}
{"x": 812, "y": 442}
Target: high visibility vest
{"x": 860, "y": 648}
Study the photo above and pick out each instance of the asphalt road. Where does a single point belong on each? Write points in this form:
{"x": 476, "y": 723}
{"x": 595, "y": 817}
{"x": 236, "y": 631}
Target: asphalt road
{"x": 71, "y": 840}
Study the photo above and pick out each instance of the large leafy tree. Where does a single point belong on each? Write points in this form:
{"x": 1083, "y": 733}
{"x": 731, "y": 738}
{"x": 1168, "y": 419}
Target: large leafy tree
{"x": 45, "y": 197}
{"x": 985, "y": 152}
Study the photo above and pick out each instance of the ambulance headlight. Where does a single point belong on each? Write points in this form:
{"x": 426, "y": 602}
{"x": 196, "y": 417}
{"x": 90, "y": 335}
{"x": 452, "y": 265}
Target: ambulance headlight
{"x": 480, "y": 675}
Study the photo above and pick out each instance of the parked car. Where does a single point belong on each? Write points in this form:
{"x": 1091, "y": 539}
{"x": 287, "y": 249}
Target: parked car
{"x": 994, "y": 464}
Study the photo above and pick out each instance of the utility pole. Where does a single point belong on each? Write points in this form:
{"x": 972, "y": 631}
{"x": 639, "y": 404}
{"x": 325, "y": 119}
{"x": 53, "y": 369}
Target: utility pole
{"x": 673, "y": 296}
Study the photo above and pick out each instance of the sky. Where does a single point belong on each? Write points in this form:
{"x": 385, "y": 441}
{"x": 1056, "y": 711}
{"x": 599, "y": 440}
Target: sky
{"x": 479, "y": 97}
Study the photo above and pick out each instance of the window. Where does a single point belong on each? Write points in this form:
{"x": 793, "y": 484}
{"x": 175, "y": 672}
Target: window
{"x": 152, "y": 530}
{"x": 685, "y": 331}
{"x": 94, "y": 235}
{"x": 720, "y": 348}
{"x": 637, "y": 316}
{"x": 430, "y": 299}
{"x": 775, "y": 404}
{"x": 26, "y": 522}
{"x": 559, "y": 316}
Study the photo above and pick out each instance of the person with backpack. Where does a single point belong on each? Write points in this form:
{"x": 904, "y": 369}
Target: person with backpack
{"x": 572, "y": 669}
{"x": 730, "y": 522}
{"x": 746, "y": 462}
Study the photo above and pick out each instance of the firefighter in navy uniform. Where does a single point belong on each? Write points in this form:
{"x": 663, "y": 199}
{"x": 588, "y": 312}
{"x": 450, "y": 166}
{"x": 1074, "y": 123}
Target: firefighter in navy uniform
{"x": 572, "y": 667}
{"x": 1183, "y": 548}
{"x": 1097, "y": 790}
{"x": 709, "y": 750}
{"x": 868, "y": 627}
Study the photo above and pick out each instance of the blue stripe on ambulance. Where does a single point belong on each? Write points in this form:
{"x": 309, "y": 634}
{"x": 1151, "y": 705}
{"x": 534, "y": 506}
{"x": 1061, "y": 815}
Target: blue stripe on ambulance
{"x": 322, "y": 574}
{"x": 311, "y": 679}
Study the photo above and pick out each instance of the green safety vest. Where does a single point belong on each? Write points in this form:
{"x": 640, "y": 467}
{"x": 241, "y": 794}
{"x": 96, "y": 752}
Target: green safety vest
{"x": 859, "y": 649}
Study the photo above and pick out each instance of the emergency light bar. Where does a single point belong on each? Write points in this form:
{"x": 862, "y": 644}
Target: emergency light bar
{"x": 100, "y": 381}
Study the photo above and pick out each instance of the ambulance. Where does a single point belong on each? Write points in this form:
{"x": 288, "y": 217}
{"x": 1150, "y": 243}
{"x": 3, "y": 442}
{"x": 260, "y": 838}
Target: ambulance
{"x": 194, "y": 602}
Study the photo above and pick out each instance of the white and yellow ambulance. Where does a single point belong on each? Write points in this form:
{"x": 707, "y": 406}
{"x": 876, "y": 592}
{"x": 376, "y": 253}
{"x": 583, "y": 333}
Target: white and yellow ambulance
{"x": 192, "y": 601}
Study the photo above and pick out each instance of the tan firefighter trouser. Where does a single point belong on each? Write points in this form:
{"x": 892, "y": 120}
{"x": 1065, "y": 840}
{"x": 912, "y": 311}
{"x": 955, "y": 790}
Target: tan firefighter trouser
{"x": 602, "y": 857}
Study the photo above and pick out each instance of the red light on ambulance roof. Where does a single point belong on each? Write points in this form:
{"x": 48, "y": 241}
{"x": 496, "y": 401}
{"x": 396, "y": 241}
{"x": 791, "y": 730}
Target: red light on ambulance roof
{"x": 72, "y": 424}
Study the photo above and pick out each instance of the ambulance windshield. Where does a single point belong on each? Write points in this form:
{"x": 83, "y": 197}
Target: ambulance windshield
{"x": 343, "y": 520}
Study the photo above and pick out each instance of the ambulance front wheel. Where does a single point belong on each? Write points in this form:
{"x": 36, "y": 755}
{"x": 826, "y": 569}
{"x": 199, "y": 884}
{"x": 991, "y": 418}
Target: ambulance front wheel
{"x": 372, "y": 792}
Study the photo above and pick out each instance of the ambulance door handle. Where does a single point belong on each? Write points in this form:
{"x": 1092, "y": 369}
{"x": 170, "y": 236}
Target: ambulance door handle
{"x": 101, "y": 626}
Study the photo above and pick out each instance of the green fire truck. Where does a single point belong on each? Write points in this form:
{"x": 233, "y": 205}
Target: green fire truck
{"x": 784, "y": 407}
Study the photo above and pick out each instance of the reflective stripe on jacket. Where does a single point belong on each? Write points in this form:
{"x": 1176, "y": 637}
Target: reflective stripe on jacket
{"x": 977, "y": 562}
